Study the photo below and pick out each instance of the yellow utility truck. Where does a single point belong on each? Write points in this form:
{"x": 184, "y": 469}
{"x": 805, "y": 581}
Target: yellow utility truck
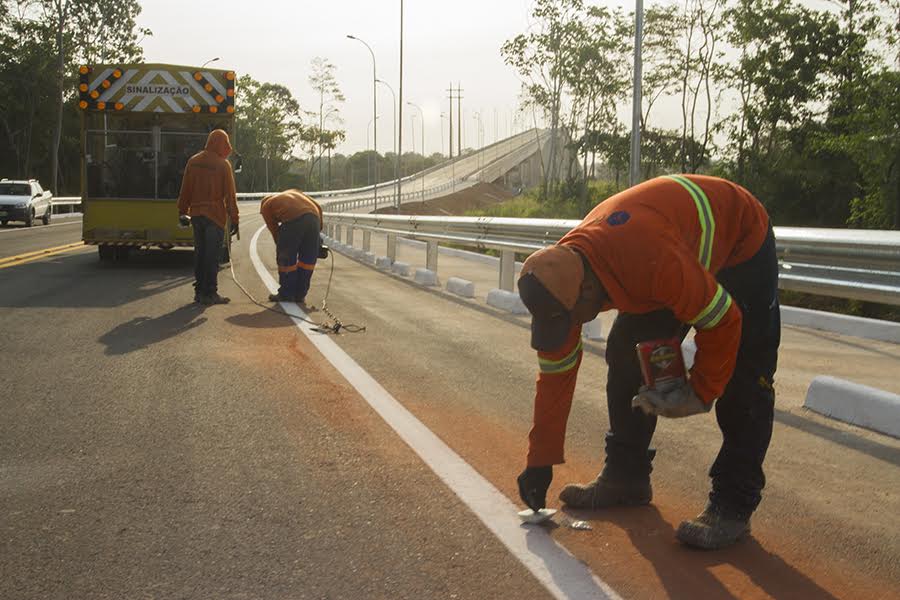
{"x": 140, "y": 124}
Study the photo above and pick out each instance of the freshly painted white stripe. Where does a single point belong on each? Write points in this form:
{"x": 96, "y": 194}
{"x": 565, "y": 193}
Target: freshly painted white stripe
{"x": 562, "y": 574}
{"x": 40, "y": 228}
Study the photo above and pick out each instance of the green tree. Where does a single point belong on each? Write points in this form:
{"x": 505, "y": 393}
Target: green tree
{"x": 323, "y": 81}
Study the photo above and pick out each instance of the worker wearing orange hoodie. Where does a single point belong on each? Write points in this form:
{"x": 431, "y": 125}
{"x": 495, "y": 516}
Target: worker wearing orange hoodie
{"x": 295, "y": 222}
{"x": 669, "y": 254}
{"x": 208, "y": 198}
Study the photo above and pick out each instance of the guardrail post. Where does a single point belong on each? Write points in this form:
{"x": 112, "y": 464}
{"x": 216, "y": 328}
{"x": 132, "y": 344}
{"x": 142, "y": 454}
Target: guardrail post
{"x": 507, "y": 270}
{"x": 350, "y": 235}
{"x": 367, "y": 240}
{"x": 392, "y": 247}
{"x": 431, "y": 256}
{"x": 337, "y": 233}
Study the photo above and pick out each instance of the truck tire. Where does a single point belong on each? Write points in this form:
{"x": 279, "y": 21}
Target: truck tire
{"x": 106, "y": 252}
{"x": 29, "y": 218}
{"x": 122, "y": 252}
{"x": 46, "y": 218}
{"x": 4, "y": 222}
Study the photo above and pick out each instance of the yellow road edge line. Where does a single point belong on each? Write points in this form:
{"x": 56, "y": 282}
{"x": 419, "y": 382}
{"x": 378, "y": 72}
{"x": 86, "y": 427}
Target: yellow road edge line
{"x": 20, "y": 259}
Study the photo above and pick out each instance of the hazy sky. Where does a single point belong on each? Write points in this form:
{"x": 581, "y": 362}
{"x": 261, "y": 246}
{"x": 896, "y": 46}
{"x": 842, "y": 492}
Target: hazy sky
{"x": 275, "y": 40}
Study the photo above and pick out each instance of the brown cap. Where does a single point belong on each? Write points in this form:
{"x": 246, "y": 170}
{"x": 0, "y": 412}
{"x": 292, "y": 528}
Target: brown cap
{"x": 549, "y": 285}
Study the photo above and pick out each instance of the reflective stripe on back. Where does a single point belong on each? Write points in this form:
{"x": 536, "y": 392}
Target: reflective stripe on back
{"x": 704, "y": 213}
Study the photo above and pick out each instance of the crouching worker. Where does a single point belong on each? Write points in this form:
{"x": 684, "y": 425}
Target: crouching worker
{"x": 671, "y": 253}
{"x": 207, "y": 201}
{"x": 295, "y": 221}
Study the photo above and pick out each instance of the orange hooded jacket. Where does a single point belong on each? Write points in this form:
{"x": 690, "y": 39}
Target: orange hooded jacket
{"x": 208, "y": 186}
{"x": 287, "y": 206}
{"x": 657, "y": 245}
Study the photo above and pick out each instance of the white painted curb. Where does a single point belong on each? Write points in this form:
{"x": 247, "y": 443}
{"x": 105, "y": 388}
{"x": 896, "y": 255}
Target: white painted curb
{"x": 508, "y": 301}
{"x": 400, "y": 268}
{"x": 383, "y": 262}
{"x": 873, "y": 329}
{"x": 461, "y": 287}
{"x": 855, "y": 404}
{"x": 425, "y": 277}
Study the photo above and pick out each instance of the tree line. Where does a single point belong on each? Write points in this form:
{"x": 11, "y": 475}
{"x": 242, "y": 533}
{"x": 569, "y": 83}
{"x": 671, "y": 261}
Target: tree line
{"x": 799, "y": 104}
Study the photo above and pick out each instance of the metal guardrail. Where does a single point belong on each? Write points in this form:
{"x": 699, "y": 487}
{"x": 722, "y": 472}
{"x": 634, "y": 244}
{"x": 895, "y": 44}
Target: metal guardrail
{"x": 846, "y": 263}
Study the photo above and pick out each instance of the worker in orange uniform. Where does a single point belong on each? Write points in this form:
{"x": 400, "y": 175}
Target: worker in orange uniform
{"x": 295, "y": 221}
{"x": 669, "y": 254}
{"x": 208, "y": 202}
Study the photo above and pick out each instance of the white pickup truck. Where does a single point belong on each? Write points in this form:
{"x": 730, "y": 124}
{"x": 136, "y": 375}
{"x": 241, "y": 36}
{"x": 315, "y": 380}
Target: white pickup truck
{"x": 26, "y": 201}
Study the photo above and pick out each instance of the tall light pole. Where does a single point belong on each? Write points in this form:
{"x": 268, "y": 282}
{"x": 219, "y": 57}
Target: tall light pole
{"x": 374, "y": 114}
{"x": 209, "y": 61}
{"x": 479, "y": 159}
{"x": 369, "y": 126}
{"x": 421, "y": 112}
{"x": 394, "y": 117}
{"x": 400, "y": 113}
{"x": 636, "y": 95}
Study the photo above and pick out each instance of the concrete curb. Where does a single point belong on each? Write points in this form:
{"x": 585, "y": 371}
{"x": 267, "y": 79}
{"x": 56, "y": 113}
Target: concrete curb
{"x": 461, "y": 287}
{"x": 873, "y": 329}
{"x": 855, "y": 404}
{"x": 400, "y": 268}
{"x": 592, "y": 330}
{"x": 383, "y": 263}
{"x": 368, "y": 258}
{"x": 508, "y": 301}
{"x": 425, "y": 277}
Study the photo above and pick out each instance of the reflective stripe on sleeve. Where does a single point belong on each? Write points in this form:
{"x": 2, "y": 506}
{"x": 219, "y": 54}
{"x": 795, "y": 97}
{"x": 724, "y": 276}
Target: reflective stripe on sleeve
{"x": 562, "y": 365}
{"x": 705, "y": 214}
{"x": 710, "y": 316}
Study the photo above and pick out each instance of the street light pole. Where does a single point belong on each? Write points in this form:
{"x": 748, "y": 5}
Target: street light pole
{"x": 400, "y": 113}
{"x": 374, "y": 113}
{"x": 636, "y": 95}
{"x": 209, "y": 61}
{"x": 394, "y": 117}
{"x": 369, "y": 126}
{"x": 421, "y": 112}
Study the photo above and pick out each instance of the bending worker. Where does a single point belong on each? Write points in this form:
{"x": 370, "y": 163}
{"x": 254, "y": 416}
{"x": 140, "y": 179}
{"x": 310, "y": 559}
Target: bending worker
{"x": 669, "y": 253}
{"x": 208, "y": 196}
{"x": 295, "y": 221}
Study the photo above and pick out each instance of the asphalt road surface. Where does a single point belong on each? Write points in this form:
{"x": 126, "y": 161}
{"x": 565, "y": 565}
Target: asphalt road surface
{"x": 152, "y": 448}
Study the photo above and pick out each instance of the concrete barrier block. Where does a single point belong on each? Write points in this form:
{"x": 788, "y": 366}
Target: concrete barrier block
{"x": 383, "y": 262}
{"x": 461, "y": 287}
{"x": 400, "y": 268}
{"x": 854, "y": 403}
{"x": 425, "y": 276}
{"x": 368, "y": 258}
{"x": 873, "y": 329}
{"x": 592, "y": 330}
{"x": 508, "y": 301}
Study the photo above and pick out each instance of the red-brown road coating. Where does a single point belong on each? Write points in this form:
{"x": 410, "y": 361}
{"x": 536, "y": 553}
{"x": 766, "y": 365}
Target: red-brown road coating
{"x": 458, "y": 370}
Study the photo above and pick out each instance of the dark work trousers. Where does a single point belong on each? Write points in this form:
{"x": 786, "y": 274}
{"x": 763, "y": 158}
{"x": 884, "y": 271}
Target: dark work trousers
{"x": 297, "y": 250}
{"x": 744, "y": 412}
{"x": 208, "y": 238}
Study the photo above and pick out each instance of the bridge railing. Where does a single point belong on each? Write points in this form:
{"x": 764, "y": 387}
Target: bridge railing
{"x": 845, "y": 263}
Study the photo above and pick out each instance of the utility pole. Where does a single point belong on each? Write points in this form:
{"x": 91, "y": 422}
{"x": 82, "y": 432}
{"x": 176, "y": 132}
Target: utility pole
{"x": 459, "y": 119}
{"x": 451, "y": 118}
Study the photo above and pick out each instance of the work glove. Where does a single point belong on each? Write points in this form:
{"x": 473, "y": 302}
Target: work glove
{"x": 234, "y": 229}
{"x": 184, "y": 220}
{"x": 680, "y": 401}
{"x": 533, "y": 484}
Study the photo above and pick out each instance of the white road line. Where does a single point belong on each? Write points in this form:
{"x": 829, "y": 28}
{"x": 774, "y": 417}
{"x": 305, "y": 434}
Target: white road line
{"x": 563, "y": 575}
{"x": 39, "y": 228}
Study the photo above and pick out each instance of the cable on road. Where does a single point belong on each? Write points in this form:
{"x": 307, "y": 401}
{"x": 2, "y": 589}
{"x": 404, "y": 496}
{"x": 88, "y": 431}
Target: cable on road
{"x": 334, "y": 326}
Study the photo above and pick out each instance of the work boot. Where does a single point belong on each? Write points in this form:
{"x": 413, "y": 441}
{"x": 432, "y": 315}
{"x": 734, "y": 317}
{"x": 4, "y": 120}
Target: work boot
{"x": 214, "y": 298}
{"x": 712, "y": 529}
{"x": 603, "y": 493}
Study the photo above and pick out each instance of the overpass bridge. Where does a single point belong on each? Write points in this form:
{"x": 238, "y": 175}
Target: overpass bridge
{"x": 153, "y": 447}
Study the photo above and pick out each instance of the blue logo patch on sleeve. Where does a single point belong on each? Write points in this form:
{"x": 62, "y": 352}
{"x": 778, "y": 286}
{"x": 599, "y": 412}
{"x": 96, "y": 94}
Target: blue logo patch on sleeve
{"x": 620, "y": 217}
